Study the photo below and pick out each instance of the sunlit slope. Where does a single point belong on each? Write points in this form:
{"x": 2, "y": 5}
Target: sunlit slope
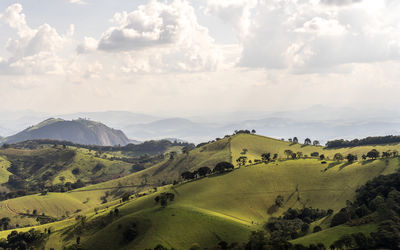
{"x": 55, "y": 165}
{"x": 226, "y": 206}
{"x": 249, "y": 192}
{"x": 170, "y": 169}
{"x": 256, "y": 145}
{"x": 328, "y": 236}
{"x": 4, "y": 174}
{"x": 232, "y": 204}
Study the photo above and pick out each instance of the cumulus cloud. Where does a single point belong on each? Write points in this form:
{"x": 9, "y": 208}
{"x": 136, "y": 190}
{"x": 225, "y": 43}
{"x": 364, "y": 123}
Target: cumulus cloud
{"x": 307, "y": 37}
{"x": 81, "y": 2}
{"x": 235, "y": 12}
{"x": 34, "y": 50}
{"x": 88, "y": 45}
{"x": 340, "y": 2}
{"x": 157, "y": 37}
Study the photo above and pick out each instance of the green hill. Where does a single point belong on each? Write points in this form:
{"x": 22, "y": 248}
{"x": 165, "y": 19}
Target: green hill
{"x": 218, "y": 207}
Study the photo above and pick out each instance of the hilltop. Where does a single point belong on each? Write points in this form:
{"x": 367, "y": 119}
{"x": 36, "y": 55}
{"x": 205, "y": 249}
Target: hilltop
{"x": 79, "y": 131}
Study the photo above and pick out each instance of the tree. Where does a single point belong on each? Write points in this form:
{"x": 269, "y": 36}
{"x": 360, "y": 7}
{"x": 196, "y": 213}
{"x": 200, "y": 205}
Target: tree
{"x": 299, "y": 154}
{"x": 314, "y": 154}
{"x": 322, "y": 157}
{"x": 253, "y": 131}
{"x": 279, "y": 200}
{"x": 364, "y": 157}
{"x": 242, "y": 160}
{"x": 125, "y": 197}
{"x": 295, "y": 140}
{"x": 338, "y": 157}
{"x": 172, "y": 155}
{"x": 187, "y": 175}
{"x": 203, "y": 171}
{"x": 275, "y": 156}
{"x": 317, "y": 229}
{"x": 294, "y": 156}
{"x": 373, "y": 154}
{"x": 266, "y": 157}
{"x": 288, "y": 153}
{"x": 351, "y": 158}
{"x": 316, "y": 143}
{"x": 307, "y": 141}
{"x": 223, "y": 166}
{"x": 130, "y": 233}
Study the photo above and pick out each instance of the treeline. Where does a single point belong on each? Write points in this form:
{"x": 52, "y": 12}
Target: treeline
{"x": 33, "y": 239}
{"x": 362, "y": 142}
{"x": 148, "y": 147}
{"x": 378, "y": 201}
{"x": 221, "y": 167}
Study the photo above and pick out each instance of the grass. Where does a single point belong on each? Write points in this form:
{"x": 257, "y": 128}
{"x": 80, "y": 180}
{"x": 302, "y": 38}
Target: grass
{"x": 4, "y": 174}
{"x": 328, "y": 236}
{"x": 219, "y": 207}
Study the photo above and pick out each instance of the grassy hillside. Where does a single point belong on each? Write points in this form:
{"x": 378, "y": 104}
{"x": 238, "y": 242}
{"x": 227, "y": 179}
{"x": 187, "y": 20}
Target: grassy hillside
{"x": 218, "y": 207}
{"x": 4, "y": 165}
{"x": 49, "y": 165}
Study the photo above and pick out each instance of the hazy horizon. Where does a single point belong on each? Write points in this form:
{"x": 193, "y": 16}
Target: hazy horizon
{"x": 183, "y": 58}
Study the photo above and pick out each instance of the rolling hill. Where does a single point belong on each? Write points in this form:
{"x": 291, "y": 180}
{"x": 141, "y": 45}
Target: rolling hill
{"x": 225, "y": 206}
{"x": 79, "y": 131}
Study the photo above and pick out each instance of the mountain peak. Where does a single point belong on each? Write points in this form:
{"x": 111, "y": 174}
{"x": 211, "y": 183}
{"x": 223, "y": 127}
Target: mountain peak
{"x": 81, "y": 131}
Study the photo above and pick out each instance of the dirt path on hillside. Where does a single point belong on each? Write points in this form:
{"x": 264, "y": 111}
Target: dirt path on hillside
{"x": 11, "y": 210}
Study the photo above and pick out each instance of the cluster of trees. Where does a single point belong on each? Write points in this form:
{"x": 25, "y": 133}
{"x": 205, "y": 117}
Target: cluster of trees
{"x": 32, "y": 239}
{"x": 131, "y": 232}
{"x": 245, "y": 131}
{"x": 204, "y": 171}
{"x": 163, "y": 198}
{"x": 260, "y": 240}
{"x": 378, "y": 201}
{"x": 4, "y": 223}
{"x": 290, "y": 154}
{"x": 373, "y": 154}
{"x": 307, "y": 141}
{"x": 294, "y": 223}
{"x": 152, "y": 147}
{"x": 375, "y": 140}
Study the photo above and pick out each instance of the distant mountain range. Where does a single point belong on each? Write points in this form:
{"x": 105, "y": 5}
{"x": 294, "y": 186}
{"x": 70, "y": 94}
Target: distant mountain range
{"x": 322, "y": 123}
{"x": 79, "y": 131}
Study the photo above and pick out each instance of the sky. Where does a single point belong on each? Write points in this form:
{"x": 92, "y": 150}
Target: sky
{"x": 183, "y": 57}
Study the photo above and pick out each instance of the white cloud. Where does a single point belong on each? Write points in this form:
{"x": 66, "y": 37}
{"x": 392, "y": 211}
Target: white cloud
{"x": 34, "y": 50}
{"x": 323, "y": 27}
{"x": 159, "y": 37}
{"x": 89, "y": 44}
{"x": 340, "y": 2}
{"x": 234, "y": 12}
{"x": 81, "y": 2}
{"x": 309, "y": 37}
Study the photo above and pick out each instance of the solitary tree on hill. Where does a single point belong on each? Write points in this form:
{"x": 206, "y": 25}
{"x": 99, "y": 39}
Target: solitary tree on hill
{"x": 338, "y": 157}
{"x": 266, "y": 157}
{"x": 351, "y": 158}
{"x": 316, "y": 143}
{"x": 295, "y": 140}
{"x": 373, "y": 154}
{"x": 288, "y": 153}
{"x": 307, "y": 141}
